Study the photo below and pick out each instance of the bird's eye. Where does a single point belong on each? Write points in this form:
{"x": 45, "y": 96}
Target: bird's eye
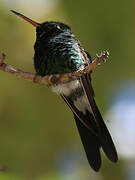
{"x": 58, "y": 27}
{"x": 62, "y": 27}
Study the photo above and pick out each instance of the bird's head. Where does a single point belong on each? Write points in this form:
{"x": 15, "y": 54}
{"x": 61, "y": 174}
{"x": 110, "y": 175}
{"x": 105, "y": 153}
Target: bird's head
{"x": 48, "y": 28}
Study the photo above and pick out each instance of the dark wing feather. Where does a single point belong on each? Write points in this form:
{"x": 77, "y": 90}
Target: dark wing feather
{"x": 104, "y": 135}
{"x": 91, "y": 145}
{"x": 89, "y": 124}
{"x": 87, "y": 130}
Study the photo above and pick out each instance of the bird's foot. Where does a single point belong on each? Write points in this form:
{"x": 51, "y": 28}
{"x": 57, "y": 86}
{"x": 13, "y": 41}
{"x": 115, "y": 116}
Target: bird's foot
{"x": 104, "y": 55}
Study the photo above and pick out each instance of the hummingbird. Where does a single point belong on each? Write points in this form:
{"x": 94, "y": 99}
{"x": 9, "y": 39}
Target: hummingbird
{"x": 58, "y": 51}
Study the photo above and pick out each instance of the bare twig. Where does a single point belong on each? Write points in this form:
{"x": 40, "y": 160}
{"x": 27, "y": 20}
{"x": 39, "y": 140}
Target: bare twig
{"x": 52, "y": 79}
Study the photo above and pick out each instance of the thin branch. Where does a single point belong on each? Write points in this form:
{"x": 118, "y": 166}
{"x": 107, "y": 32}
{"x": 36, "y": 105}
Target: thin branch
{"x": 52, "y": 79}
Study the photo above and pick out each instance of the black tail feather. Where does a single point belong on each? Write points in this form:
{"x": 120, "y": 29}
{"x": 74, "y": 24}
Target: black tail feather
{"x": 91, "y": 145}
{"x": 104, "y": 135}
{"x": 92, "y": 129}
{"x": 106, "y": 139}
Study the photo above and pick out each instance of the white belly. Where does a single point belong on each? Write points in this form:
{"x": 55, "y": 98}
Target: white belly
{"x": 81, "y": 103}
{"x": 66, "y": 88}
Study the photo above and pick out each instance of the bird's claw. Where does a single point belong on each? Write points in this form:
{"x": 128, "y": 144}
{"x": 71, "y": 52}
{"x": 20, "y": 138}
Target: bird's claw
{"x": 104, "y": 55}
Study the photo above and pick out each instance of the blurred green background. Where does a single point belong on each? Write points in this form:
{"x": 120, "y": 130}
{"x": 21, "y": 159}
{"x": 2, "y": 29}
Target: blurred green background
{"x": 37, "y": 130}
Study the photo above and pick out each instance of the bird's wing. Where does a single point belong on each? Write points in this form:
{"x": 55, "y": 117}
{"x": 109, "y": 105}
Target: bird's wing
{"x": 103, "y": 133}
{"x": 88, "y": 133}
